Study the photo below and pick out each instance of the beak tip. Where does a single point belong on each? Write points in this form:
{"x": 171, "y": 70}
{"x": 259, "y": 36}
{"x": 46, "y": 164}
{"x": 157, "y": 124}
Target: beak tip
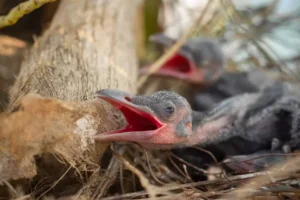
{"x": 99, "y": 93}
{"x": 104, "y": 93}
{"x": 112, "y": 94}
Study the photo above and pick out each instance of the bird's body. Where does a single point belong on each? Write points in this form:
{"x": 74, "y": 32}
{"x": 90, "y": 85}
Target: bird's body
{"x": 268, "y": 123}
{"x": 241, "y": 125}
{"x": 228, "y": 85}
{"x": 240, "y": 113}
{"x": 201, "y": 63}
{"x": 255, "y": 117}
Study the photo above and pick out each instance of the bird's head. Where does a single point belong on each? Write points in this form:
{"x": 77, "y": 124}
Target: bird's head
{"x": 161, "y": 120}
{"x": 199, "y": 61}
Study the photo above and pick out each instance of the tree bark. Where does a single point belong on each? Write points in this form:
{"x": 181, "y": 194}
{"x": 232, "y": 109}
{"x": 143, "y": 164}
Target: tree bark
{"x": 88, "y": 46}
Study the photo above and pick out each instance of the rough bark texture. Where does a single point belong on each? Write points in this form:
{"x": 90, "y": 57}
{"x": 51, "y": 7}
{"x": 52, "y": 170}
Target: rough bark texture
{"x": 89, "y": 46}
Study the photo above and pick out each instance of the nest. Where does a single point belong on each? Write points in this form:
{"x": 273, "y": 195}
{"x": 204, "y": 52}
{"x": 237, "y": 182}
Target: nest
{"x": 130, "y": 172}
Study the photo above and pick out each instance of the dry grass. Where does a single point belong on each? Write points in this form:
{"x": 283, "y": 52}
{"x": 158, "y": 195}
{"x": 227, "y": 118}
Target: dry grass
{"x": 169, "y": 181}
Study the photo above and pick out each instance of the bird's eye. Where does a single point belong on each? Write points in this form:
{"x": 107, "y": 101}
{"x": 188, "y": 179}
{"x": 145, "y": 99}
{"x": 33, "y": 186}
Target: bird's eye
{"x": 169, "y": 110}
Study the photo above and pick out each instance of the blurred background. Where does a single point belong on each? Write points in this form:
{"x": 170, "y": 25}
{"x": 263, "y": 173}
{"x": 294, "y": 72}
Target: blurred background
{"x": 253, "y": 34}
{"x": 259, "y": 33}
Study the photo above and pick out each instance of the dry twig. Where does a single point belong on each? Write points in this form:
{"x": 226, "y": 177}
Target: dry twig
{"x": 56, "y": 182}
{"x": 110, "y": 176}
{"x": 151, "y": 189}
{"x": 233, "y": 180}
{"x": 20, "y": 10}
{"x": 278, "y": 172}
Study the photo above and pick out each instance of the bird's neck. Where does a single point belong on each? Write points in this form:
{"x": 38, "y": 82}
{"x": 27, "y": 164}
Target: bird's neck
{"x": 208, "y": 130}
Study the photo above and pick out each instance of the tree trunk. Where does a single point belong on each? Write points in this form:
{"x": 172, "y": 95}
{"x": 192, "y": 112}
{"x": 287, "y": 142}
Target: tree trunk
{"x": 88, "y": 46}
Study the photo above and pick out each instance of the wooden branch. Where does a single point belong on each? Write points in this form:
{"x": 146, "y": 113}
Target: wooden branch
{"x": 89, "y": 46}
{"x": 20, "y": 10}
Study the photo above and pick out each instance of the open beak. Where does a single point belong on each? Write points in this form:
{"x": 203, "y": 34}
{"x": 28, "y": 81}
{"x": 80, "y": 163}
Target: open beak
{"x": 142, "y": 123}
{"x": 180, "y": 66}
